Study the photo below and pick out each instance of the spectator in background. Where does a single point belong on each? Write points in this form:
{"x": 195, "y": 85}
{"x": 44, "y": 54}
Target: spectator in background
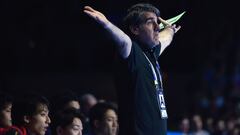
{"x": 87, "y": 102}
{"x": 6, "y": 128}
{"x": 236, "y": 130}
{"x": 231, "y": 123}
{"x": 209, "y": 125}
{"x": 103, "y": 119}
{"x": 68, "y": 122}
{"x": 220, "y": 128}
{"x": 31, "y": 114}
{"x": 198, "y": 126}
{"x": 5, "y": 110}
{"x": 185, "y": 126}
{"x": 64, "y": 100}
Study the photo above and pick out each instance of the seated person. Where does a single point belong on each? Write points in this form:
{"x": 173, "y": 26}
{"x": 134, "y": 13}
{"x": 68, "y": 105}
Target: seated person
{"x": 64, "y": 100}
{"x": 103, "y": 119}
{"x": 6, "y": 127}
{"x": 68, "y": 122}
{"x": 31, "y": 114}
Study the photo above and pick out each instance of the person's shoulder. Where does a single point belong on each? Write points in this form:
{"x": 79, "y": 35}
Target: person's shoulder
{"x": 135, "y": 44}
{"x": 13, "y": 131}
{"x": 136, "y": 48}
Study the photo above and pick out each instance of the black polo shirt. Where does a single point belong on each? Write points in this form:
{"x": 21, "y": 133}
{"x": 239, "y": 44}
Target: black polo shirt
{"x": 138, "y": 107}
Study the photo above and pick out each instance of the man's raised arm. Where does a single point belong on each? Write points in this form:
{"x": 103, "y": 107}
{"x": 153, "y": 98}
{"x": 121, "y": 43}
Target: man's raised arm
{"x": 122, "y": 40}
{"x": 166, "y": 35}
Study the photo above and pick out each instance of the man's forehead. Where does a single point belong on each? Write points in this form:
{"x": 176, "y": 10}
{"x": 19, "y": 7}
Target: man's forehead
{"x": 110, "y": 113}
{"x": 149, "y": 15}
{"x": 42, "y": 108}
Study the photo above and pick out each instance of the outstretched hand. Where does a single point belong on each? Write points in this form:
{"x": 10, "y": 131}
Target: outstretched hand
{"x": 96, "y": 15}
{"x": 166, "y": 24}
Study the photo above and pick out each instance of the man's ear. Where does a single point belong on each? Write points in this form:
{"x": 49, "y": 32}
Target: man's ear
{"x": 59, "y": 130}
{"x": 26, "y": 119}
{"x": 134, "y": 30}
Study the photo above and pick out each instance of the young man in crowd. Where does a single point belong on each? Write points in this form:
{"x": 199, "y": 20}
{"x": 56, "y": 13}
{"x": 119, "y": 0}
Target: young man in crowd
{"x": 103, "y": 119}
{"x": 31, "y": 114}
{"x": 68, "y": 122}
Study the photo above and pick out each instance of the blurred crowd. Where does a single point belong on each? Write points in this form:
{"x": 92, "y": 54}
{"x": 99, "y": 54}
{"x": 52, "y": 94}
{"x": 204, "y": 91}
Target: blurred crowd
{"x": 65, "y": 114}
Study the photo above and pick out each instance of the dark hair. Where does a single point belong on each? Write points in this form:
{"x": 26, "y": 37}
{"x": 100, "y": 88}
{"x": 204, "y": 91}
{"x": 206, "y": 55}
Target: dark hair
{"x": 65, "y": 117}
{"x": 62, "y": 99}
{"x": 134, "y": 15}
{"x": 98, "y": 111}
{"x": 28, "y": 106}
{"x": 5, "y": 99}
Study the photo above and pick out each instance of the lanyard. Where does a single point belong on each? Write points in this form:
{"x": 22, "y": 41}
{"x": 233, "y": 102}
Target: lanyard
{"x": 154, "y": 72}
{"x": 159, "y": 91}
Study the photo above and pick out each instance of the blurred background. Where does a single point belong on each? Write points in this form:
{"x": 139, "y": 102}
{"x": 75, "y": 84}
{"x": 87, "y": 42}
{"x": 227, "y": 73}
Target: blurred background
{"x": 50, "y": 45}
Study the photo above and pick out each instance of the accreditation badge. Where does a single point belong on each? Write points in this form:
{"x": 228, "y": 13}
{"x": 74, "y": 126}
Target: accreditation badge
{"x": 161, "y": 104}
